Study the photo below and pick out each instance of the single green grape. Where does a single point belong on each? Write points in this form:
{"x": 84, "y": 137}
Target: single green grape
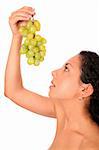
{"x": 33, "y": 42}
{"x": 44, "y": 41}
{"x": 41, "y": 59}
{"x": 37, "y": 55}
{"x": 35, "y": 49}
{"x": 30, "y": 36}
{"x": 29, "y": 24}
{"x": 42, "y": 47}
{"x": 38, "y": 37}
{"x": 42, "y": 53}
{"x": 32, "y": 29}
{"x": 30, "y": 60}
{"x": 23, "y": 49}
{"x": 26, "y": 42}
{"x": 39, "y": 43}
{"x": 37, "y": 25}
{"x": 36, "y": 62}
{"x": 23, "y": 31}
{"x": 44, "y": 50}
{"x": 30, "y": 47}
{"x": 30, "y": 53}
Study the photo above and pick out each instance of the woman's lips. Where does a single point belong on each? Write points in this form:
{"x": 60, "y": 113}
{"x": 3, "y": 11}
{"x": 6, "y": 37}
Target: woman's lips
{"x": 52, "y": 84}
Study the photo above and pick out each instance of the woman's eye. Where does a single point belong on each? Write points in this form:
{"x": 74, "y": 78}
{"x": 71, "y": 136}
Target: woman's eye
{"x": 66, "y": 69}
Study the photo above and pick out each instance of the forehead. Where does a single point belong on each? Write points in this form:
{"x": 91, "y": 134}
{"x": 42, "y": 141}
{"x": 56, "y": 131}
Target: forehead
{"x": 74, "y": 61}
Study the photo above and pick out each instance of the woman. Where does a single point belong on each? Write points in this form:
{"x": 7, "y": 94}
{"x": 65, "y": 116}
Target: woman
{"x": 73, "y": 97}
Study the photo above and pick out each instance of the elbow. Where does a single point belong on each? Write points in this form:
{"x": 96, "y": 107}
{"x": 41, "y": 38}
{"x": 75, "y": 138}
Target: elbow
{"x": 9, "y": 90}
{"x": 7, "y": 94}
{"x": 5, "y": 91}
{"x": 11, "y": 93}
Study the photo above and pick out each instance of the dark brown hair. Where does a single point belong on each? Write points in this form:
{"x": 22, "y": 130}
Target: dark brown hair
{"x": 90, "y": 74}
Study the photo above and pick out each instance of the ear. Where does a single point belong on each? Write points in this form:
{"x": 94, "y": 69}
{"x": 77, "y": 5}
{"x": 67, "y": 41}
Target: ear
{"x": 87, "y": 90}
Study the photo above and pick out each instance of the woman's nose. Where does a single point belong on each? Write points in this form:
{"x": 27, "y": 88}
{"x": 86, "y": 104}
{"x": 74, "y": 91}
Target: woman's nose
{"x": 54, "y": 72}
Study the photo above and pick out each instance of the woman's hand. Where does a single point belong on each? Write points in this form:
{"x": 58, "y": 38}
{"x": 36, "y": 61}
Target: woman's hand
{"x": 20, "y": 17}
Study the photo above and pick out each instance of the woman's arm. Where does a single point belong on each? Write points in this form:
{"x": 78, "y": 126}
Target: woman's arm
{"x": 13, "y": 81}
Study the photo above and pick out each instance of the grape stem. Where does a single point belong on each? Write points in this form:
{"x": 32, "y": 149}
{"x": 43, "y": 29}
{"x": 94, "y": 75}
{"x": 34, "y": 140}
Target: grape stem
{"x": 32, "y": 18}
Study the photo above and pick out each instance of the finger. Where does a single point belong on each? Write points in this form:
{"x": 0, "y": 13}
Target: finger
{"x": 22, "y": 13}
{"x": 19, "y": 18}
{"x": 27, "y": 9}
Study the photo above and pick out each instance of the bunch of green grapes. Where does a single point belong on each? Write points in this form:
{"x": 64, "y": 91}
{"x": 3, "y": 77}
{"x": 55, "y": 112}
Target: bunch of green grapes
{"x": 33, "y": 44}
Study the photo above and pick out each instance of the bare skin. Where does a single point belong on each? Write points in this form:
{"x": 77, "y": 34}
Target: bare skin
{"x": 81, "y": 134}
{"x": 67, "y": 99}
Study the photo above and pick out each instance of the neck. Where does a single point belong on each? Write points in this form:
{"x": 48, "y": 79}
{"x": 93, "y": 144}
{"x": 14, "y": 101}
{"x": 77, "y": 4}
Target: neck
{"x": 77, "y": 117}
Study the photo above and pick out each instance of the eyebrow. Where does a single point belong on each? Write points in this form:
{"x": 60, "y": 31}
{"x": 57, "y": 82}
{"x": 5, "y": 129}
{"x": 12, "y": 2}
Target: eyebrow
{"x": 68, "y": 64}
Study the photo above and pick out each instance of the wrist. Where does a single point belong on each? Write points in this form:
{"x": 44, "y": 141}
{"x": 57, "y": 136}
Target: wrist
{"x": 17, "y": 36}
{"x": 16, "y": 40}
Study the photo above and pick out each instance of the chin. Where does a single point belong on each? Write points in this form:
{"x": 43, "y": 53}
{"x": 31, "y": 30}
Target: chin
{"x": 49, "y": 94}
{"x": 52, "y": 95}
{"x": 52, "y": 91}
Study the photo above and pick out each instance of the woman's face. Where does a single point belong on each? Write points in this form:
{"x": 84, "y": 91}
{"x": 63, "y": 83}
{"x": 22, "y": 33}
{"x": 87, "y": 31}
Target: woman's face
{"x": 66, "y": 80}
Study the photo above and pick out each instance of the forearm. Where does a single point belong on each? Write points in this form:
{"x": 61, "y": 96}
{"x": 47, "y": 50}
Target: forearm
{"x": 13, "y": 79}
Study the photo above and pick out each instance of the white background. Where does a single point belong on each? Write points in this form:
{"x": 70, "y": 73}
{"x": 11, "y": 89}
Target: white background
{"x": 69, "y": 27}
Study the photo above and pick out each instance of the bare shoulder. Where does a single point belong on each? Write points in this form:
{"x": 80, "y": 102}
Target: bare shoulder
{"x": 80, "y": 142}
{"x": 91, "y": 140}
